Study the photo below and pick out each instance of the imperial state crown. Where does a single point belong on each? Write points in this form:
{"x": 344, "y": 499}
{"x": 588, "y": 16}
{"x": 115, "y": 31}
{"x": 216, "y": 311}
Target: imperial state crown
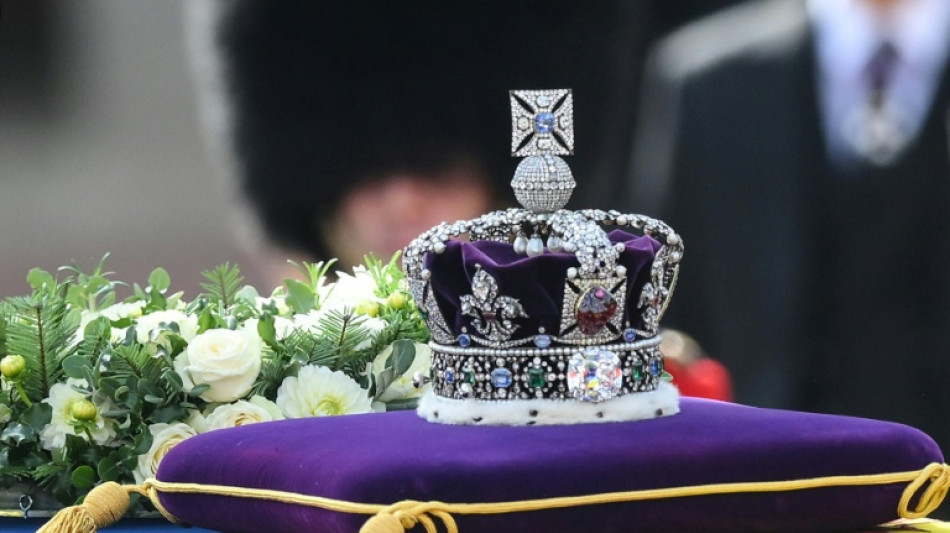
{"x": 537, "y": 314}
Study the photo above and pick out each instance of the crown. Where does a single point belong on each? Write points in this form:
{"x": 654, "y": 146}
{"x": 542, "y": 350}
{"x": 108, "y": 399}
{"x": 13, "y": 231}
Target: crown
{"x": 537, "y": 314}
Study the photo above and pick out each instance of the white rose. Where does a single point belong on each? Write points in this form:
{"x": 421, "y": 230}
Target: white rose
{"x": 61, "y": 398}
{"x": 319, "y": 391}
{"x": 227, "y": 360}
{"x": 197, "y": 421}
{"x": 164, "y": 438}
{"x": 242, "y": 412}
{"x": 402, "y": 387}
{"x": 187, "y": 324}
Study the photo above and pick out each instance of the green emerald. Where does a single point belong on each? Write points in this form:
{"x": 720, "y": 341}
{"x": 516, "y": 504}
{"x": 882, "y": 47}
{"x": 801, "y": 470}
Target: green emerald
{"x": 637, "y": 372}
{"x": 468, "y": 376}
{"x": 536, "y": 377}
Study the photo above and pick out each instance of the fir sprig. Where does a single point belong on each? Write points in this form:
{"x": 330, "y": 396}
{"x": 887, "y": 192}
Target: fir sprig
{"x": 224, "y": 281}
{"x": 40, "y": 330}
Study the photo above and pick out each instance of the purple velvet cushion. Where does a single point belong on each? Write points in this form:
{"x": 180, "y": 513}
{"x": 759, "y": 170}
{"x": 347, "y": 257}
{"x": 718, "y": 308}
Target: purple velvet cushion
{"x": 386, "y": 458}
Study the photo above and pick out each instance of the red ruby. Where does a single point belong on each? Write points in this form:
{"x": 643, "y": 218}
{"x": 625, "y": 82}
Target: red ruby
{"x": 595, "y": 308}
{"x": 489, "y": 316}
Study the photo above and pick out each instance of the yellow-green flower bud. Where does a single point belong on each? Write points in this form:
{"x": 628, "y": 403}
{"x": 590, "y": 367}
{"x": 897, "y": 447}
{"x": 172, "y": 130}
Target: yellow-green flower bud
{"x": 397, "y": 300}
{"x": 12, "y": 366}
{"x": 367, "y": 307}
{"x": 83, "y": 410}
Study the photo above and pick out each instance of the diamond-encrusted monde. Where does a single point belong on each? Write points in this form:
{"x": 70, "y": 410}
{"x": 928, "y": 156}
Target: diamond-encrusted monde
{"x": 492, "y": 350}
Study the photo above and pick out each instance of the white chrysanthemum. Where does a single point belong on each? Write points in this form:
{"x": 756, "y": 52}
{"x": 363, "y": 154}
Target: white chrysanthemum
{"x": 240, "y": 413}
{"x": 402, "y": 387}
{"x": 187, "y": 324}
{"x": 61, "y": 398}
{"x": 349, "y": 290}
{"x": 318, "y": 391}
{"x": 164, "y": 438}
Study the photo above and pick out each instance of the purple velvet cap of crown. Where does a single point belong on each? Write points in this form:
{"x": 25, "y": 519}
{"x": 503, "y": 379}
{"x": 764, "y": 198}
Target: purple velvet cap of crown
{"x": 537, "y": 282}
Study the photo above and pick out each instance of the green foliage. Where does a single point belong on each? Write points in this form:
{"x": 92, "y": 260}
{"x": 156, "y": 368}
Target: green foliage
{"x": 304, "y": 296}
{"x": 223, "y": 283}
{"x": 90, "y": 291}
{"x": 40, "y": 327}
{"x": 126, "y": 384}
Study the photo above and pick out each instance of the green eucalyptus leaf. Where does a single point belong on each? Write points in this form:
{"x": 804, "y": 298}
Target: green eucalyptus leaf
{"x": 143, "y": 442}
{"x": 159, "y": 280}
{"x": 17, "y": 433}
{"x": 300, "y": 297}
{"x": 75, "y": 366}
{"x": 198, "y": 390}
{"x": 37, "y": 416}
{"x": 38, "y": 278}
{"x": 383, "y": 381}
{"x": 108, "y": 469}
{"x": 404, "y": 352}
{"x": 404, "y": 404}
{"x": 83, "y": 477}
{"x": 171, "y": 377}
{"x": 151, "y": 398}
{"x": 267, "y": 331}
{"x": 172, "y": 413}
{"x": 206, "y": 320}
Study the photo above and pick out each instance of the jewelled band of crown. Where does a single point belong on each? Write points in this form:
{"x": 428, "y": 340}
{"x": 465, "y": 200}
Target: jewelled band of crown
{"x": 592, "y": 374}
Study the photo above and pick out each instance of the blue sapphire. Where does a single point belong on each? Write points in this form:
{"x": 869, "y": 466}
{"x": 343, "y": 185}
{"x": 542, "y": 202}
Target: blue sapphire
{"x": 542, "y": 340}
{"x": 464, "y": 340}
{"x": 629, "y": 335}
{"x": 501, "y": 377}
{"x": 544, "y": 122}
{"x": 655, "y": 367}
{"x": 449, "y": 376}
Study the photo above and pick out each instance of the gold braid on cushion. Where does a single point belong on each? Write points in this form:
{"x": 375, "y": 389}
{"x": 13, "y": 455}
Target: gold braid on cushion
{"x": 107, "y": 504}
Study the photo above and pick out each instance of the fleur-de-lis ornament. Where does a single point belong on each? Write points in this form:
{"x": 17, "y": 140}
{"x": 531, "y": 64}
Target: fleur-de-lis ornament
{"x": 492, "y": 315}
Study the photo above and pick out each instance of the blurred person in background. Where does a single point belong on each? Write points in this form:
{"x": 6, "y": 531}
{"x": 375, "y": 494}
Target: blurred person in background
{"x": 801, "y": 149}
{"x": 352, "y": 127}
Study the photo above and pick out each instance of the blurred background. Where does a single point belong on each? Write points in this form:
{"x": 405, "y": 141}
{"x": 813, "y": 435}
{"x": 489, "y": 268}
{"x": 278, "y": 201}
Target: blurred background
{"x": 101, "y": 147}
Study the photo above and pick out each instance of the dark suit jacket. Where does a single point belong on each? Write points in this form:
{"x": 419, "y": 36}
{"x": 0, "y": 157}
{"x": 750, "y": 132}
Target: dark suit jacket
{"x": 730, "y": 152}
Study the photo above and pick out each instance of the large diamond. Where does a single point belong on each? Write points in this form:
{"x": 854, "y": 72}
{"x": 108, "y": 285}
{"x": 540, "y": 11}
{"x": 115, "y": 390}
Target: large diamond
{"x": 594, "y": 375}
{"x": 595, "y": 308}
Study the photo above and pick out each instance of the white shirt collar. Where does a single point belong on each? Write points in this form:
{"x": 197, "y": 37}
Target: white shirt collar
{"x": 848, "y": 32}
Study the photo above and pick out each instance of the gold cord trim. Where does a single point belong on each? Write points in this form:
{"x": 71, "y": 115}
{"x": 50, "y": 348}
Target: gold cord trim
{"x": 406, "y": 514}
{"x": 108, "y": 502}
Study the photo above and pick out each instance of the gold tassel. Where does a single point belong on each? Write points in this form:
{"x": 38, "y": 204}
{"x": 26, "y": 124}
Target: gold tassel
{"x": 383, "y": 523}
{"x": 103, "y": 506}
